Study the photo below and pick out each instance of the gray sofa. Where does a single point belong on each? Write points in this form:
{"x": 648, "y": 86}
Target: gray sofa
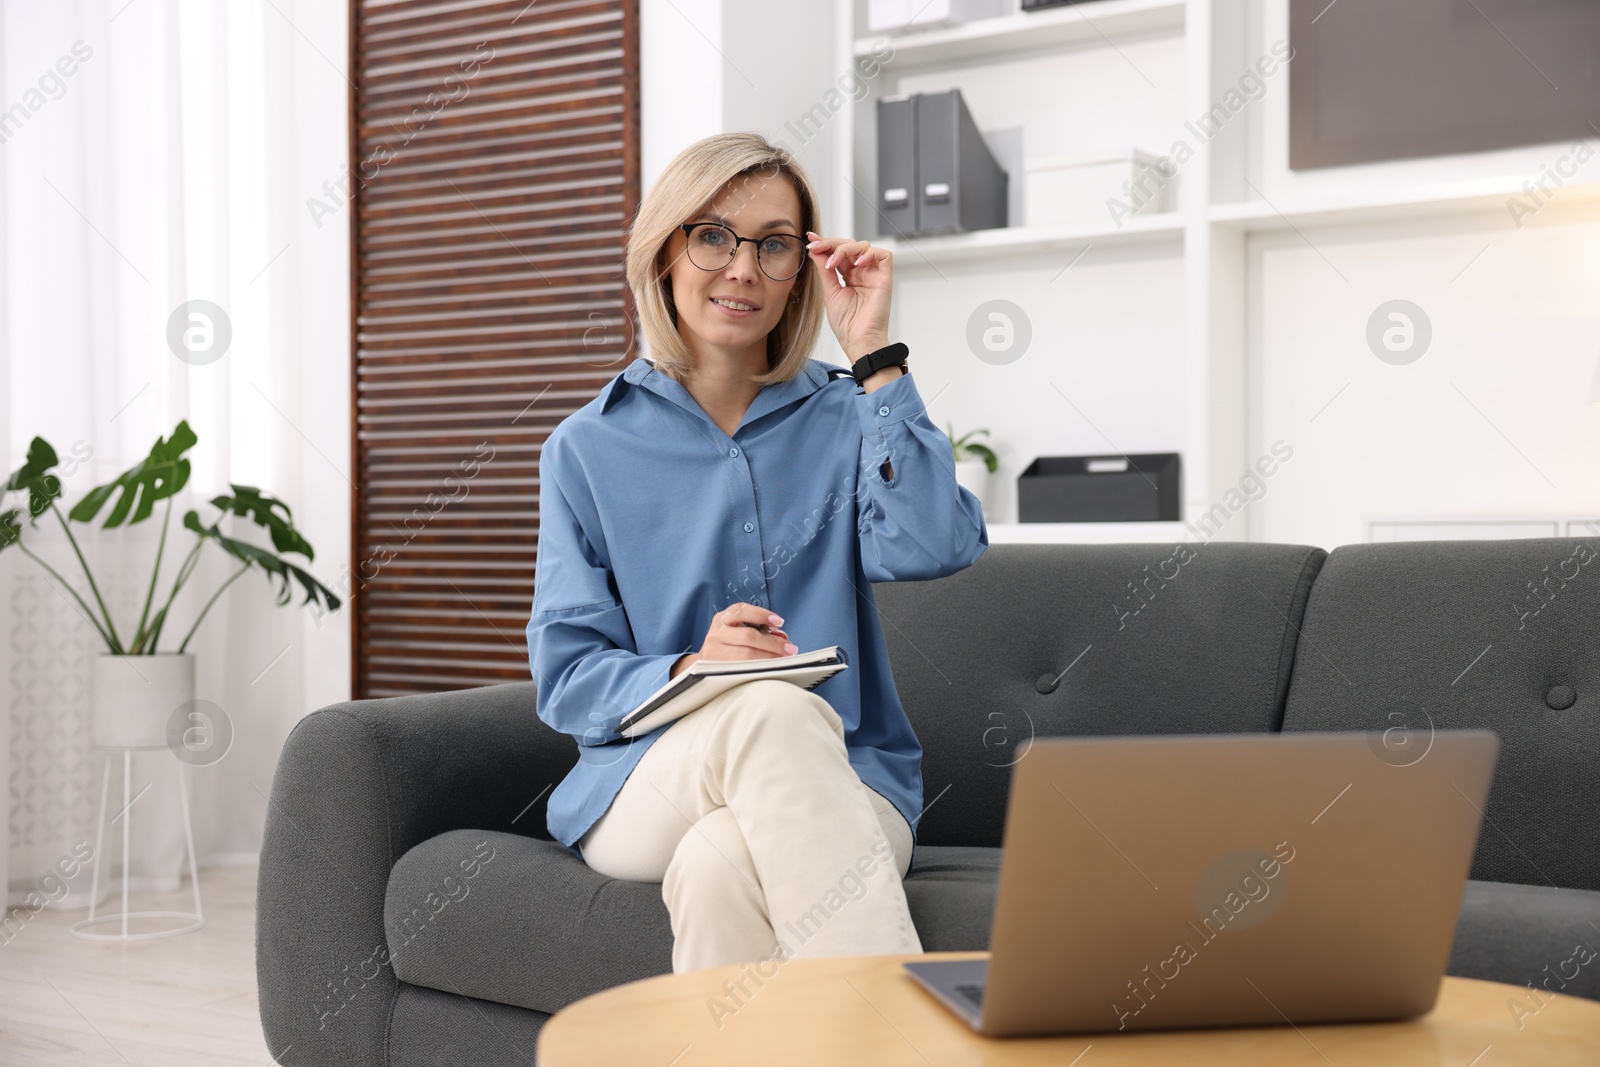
{"x": 411, "y": 909}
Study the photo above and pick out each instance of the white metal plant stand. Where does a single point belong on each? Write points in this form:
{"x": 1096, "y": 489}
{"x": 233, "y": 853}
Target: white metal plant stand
{"x": 196, "y": 917}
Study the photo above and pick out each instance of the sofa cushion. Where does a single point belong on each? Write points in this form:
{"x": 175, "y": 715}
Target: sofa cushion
{"x": 1411, "y": 637}
{"x": 950, "y": 890}
{"x": 532, "y": 926}
{"x": 429, "y": 1028}
{"x": 526, "y": 923}
{"x": 1529, "y": 935}
{"x": 1070, "y": 640}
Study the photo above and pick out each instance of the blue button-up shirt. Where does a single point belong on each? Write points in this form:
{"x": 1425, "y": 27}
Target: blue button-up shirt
{"x": 652, "y": 519}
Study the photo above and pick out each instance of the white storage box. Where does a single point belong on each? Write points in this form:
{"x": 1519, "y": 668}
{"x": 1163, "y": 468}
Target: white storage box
{"x": 917, "y": 14}
{"x": 1067, "y": 189}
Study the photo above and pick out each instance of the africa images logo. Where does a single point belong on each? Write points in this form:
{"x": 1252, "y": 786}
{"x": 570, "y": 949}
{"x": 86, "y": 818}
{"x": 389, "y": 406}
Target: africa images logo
{"x": 1238, "y": 891}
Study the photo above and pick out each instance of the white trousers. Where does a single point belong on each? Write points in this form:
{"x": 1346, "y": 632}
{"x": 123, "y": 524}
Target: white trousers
{"x": 766, "y": 843}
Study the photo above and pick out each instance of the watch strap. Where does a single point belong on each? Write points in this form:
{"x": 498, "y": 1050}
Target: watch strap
{"x": 893, "y": 355}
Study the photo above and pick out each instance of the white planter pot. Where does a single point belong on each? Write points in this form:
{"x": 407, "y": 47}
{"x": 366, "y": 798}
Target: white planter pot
{"x": 132, "y": 698}
{"x": 973, "y": 476}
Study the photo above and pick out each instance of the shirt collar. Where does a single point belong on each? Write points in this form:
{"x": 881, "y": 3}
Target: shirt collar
{"x": 642, "y": 373}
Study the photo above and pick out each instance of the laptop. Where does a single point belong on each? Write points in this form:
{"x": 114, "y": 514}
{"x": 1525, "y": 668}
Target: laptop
{"x": 1153, "y": 883}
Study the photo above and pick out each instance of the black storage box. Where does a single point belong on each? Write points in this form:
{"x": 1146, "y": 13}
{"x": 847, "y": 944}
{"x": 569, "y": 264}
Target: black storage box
{"x": 1141, "y": 488}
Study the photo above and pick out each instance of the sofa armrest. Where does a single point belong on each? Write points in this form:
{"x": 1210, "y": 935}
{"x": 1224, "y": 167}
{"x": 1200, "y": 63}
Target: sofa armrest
{"x": 357, "y": 785}
{"x": 1540, "y": 937}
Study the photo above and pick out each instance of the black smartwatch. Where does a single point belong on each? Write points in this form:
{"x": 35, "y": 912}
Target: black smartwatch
{"x": 888, "y": 356}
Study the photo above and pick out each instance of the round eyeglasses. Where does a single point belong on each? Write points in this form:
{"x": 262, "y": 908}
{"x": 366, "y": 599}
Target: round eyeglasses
{"x": 712, "y": 246}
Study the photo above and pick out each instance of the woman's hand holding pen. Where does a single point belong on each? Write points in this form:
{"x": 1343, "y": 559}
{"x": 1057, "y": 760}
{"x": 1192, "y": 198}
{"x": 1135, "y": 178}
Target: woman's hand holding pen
{"x": 741, "y": 631}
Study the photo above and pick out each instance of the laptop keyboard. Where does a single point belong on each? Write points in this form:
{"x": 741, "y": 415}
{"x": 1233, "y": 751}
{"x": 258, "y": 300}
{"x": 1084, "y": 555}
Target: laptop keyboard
{"x": 973, "y": 993}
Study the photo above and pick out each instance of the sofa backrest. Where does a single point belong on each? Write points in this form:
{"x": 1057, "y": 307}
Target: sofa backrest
{"x": 1042, "y": 640}
{"x": 1417, "y": 636}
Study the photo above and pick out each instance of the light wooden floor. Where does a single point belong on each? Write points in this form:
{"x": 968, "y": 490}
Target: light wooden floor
{"x": 176, "y": 1001}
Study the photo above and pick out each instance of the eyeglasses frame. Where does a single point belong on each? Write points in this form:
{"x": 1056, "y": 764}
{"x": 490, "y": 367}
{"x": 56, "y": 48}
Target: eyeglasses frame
{"x": 688, "y": 230}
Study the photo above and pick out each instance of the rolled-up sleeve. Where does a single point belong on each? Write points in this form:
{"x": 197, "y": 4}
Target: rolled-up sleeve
{"x": 581, "y": 648}
{"x": 919, "y": 523}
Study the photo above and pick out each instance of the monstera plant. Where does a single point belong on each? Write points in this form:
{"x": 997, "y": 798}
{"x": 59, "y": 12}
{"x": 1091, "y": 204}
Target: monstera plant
{"x": 136, "y": 491}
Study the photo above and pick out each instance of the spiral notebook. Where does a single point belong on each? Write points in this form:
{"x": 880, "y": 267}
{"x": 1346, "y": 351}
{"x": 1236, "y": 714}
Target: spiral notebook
{"x": 706, "y": 679}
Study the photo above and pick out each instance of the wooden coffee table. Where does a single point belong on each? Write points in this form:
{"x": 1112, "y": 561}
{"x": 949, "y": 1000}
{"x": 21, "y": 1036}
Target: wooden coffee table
{"x": 867, "y": 1010}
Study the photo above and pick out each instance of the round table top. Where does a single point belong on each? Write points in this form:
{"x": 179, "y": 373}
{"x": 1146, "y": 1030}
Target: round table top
{"x": 868, "y": 1010}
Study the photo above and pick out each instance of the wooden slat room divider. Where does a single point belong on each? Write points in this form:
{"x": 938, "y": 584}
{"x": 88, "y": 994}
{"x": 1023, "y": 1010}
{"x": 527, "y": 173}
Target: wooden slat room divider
{"x": 494, "y": 168}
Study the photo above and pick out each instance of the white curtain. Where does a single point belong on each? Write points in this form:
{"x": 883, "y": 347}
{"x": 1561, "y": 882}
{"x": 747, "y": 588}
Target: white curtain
{"x": 152, "y": 153}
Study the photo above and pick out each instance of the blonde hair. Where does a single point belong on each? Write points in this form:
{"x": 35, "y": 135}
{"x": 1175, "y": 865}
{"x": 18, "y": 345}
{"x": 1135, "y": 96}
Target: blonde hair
{"x": 690, "y": 182}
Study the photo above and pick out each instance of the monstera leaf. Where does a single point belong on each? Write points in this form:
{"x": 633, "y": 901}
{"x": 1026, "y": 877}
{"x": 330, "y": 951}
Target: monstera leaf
{"x": 248, "y": 554}
{"x": 34, "y": 476}
{"x": 158, "y": 476}
{"x": 263, "y": 510}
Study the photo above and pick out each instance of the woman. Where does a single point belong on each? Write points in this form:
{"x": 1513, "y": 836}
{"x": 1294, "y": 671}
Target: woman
{"x": 733, "y": 499}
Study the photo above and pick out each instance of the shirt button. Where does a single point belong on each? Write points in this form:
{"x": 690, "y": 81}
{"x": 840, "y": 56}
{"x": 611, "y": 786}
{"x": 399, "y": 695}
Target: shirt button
{"x": 883, "y": 410}
{"x": 748, "y": 527}
{"x": 733, "y": 451}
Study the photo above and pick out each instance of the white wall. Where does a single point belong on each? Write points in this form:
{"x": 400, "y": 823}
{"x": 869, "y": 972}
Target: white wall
{"x": 1492, "y": 420}
{"x": 680, "y": 79}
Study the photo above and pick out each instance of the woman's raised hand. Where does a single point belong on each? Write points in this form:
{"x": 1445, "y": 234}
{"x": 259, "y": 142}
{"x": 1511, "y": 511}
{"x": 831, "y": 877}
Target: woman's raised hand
{"x": 858, "y": 311}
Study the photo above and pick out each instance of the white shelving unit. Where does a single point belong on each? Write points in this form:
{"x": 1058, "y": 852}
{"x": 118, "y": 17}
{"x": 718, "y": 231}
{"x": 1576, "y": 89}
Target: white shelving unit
{"x": 1011, "y": 240}
{"x": 1476, "y": 527}
{"x": 1083, "y": 533}
{"x": 1189, "y": 264}
{"x": 1461, "y": 198}
{"x": 1053, "y": 28}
